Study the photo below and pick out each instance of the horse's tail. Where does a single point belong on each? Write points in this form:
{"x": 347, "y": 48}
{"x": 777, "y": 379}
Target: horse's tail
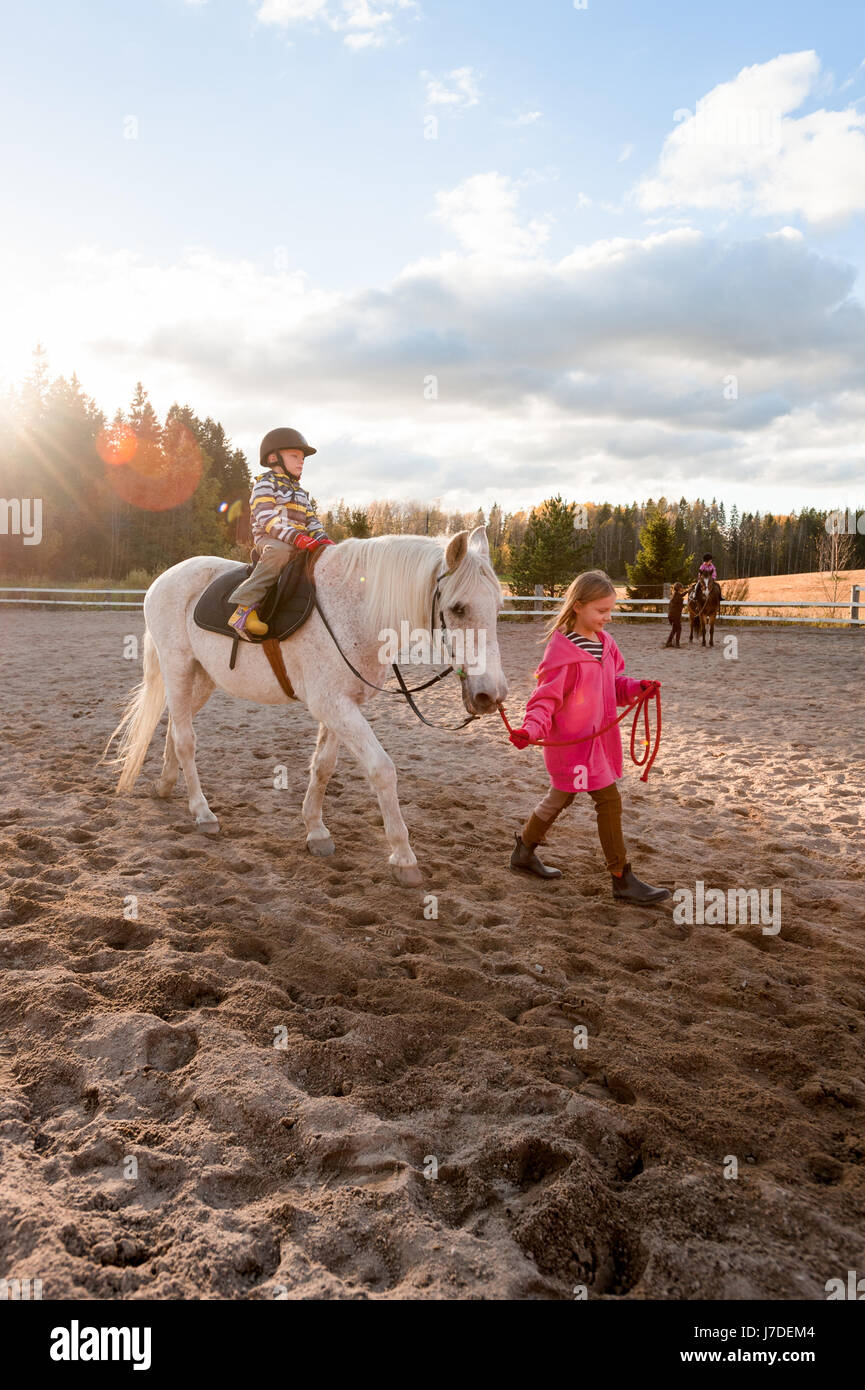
{"x": 140, "y": 718}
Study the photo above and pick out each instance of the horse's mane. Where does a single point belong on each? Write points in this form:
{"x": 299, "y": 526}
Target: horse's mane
{"x": 397, "y": 575}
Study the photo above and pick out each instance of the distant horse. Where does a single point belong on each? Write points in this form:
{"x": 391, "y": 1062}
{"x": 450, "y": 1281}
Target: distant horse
{"x": 367, "y": 589}
{"x": 704, "y": 605}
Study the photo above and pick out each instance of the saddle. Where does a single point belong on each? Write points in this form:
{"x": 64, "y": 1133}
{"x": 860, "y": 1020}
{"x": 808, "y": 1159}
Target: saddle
{"x": 285, "y": 608}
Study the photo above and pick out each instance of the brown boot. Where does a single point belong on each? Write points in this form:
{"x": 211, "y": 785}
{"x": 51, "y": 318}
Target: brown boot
{"x": 524, "y": 860}
{"x": 628, "y": 888}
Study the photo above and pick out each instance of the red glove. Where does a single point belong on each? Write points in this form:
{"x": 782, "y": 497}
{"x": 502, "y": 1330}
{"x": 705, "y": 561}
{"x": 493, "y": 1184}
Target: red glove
{"x": 322, "y": 540}
{"x": 520, "y": 738}
{"x": 304, "y": 543}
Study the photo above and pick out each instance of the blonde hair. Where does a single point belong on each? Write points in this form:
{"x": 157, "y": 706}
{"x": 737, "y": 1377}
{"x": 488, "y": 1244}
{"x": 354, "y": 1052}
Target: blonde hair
{"x": 586, "y": 587}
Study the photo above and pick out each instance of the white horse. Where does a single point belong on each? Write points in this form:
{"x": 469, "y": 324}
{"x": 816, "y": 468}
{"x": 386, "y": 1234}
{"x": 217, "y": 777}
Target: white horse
{"x": 366, "y": 589}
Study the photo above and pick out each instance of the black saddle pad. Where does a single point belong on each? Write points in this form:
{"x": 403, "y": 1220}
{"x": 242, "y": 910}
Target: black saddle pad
{"x": 285, "y": 607}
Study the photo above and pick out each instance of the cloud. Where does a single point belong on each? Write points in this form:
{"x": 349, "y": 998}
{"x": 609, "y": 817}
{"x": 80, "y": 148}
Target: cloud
{"x": 287, "y": 12}
{"x": 527, "y": 118}
{"x": 458, "y": 89}
{"x": 605, "y": 372}
{"x": 362, "y": 23}
{"x": 481, "y": 213}
{"x": 625, "y": 153}
{"x": 742, "y": 150}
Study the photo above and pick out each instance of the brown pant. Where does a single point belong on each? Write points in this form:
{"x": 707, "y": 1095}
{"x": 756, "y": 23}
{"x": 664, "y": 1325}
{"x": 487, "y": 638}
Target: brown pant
{"x": 275, "y": 555}
{"x": 608, "y": 808}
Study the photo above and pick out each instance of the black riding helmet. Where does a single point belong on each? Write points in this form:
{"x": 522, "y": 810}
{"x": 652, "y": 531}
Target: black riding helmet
{"x": 283, "y": 438}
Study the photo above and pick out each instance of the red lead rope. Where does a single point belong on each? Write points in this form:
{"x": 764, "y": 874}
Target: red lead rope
{"x": 639, "y": 702}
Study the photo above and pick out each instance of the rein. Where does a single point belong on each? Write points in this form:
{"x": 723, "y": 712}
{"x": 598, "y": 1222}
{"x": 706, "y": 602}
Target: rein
{"x": 639, "y": 702}
{"x": 405, "y": 692}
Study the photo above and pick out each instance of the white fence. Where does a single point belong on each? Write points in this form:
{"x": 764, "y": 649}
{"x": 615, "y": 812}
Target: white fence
{"x": 852, "y": 605}
{"x": 93, "y": 600}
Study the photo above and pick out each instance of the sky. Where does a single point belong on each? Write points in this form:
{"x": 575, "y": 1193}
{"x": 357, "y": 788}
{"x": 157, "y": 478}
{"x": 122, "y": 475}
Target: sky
{"x": 475, "y": 252}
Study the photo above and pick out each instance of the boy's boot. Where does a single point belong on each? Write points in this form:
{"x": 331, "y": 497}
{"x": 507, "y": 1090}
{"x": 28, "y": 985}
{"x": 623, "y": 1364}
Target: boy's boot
{"x": 246, "y": 621}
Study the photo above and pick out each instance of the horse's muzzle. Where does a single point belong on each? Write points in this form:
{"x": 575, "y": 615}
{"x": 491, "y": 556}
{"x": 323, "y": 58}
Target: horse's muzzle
{"x": 483, "y": 700}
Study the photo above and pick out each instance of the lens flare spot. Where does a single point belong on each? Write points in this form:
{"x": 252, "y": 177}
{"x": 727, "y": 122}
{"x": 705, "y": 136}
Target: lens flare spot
{"x": 116, "y": 445}
{"x": 159, "y": 474}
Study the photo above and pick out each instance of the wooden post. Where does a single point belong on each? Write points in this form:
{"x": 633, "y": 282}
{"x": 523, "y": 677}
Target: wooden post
{"x": 854, "y": 605}
{"x": 666, "y": 591}
{"x": 539, "y": 608}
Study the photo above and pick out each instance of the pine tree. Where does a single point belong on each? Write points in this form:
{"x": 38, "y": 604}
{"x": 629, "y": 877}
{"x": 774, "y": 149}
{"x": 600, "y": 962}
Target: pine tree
{"x": 659, "y": 560}
{"x": 358, "y": 523}
{"x": 143, "y": 417}
{"x": 496, "y": 535}
{"x": 551, "y": 553}
{"x": 35, "y": 390}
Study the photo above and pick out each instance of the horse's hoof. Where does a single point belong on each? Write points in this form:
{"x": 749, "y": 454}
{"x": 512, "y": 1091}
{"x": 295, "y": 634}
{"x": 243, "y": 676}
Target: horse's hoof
{"x": 207, "y": 827}
{"x": 321, "y": 848}
{"x": 407, "y": 875}
{"x": 159, "y": 791}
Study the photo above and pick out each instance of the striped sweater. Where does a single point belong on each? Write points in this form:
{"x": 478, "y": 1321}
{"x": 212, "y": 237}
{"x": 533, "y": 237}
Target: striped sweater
{"x": 281, "y": 509}
{"x": 593, "y": 645}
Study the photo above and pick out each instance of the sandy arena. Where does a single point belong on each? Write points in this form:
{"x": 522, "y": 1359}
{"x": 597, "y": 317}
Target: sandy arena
{"x": 154, "y": 1143}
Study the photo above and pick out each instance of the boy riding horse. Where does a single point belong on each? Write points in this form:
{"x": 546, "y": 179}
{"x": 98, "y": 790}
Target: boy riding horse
{"x": 284, "y": 523}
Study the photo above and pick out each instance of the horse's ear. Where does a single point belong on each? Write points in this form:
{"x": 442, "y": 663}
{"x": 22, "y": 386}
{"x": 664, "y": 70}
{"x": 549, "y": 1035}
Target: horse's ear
{"x": 479, "y": 541}
{"x": 457, "y": 548}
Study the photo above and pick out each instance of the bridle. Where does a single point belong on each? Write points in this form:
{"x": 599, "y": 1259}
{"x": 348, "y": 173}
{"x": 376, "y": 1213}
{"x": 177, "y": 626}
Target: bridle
{"x": 404, "y": 692}
{"x": 701, "y": 597}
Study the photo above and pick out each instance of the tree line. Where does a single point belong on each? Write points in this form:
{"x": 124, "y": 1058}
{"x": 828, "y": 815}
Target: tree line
{"x": 127, "y": 497}
{"x": 120, "y": 498}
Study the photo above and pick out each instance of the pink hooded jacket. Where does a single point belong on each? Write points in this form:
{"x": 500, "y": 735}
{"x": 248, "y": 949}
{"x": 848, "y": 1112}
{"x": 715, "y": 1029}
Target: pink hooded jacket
{"x": 575, "y": 695}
